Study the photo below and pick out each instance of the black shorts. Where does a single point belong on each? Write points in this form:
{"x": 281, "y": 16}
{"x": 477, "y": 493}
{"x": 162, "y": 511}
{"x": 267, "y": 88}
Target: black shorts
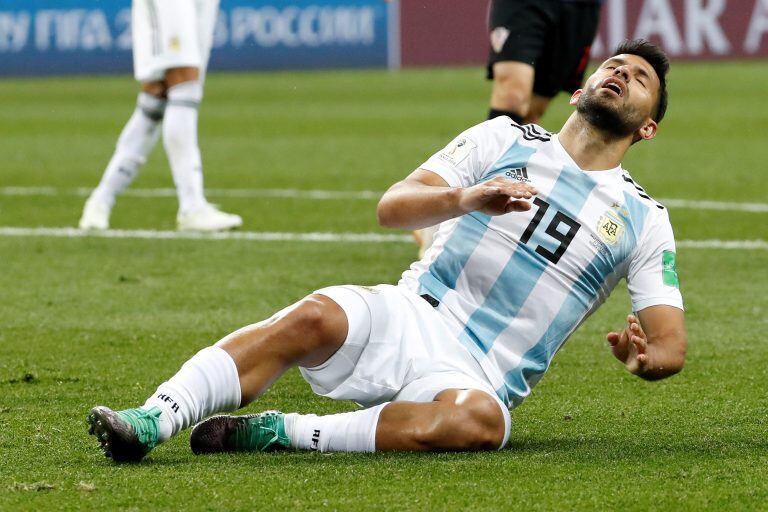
{"x": 553, "y": 36}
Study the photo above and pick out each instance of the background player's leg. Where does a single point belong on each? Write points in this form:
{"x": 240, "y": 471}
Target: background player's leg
{"x": 180, "y": 136}
{"x": 135, "y": 143}
{"x": 185, "y": 92}
{"x": 539, "y": 105}
{"x": 424, "y": 237}
{"x": 512, "y": 89}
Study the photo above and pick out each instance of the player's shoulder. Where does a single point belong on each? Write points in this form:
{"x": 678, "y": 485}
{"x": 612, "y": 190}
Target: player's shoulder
{"x": 635, "y": 190}
{"x": 503, "y": 128}
{"x": 529, "y": 132}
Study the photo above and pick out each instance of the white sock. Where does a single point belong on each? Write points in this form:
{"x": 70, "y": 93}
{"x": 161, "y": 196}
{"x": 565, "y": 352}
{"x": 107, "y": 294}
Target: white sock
{"x": 345, "y": 432}
{"x": 136, "y": 141}
{"x": 206, "y": 384}
{"x": 180, "y": 140}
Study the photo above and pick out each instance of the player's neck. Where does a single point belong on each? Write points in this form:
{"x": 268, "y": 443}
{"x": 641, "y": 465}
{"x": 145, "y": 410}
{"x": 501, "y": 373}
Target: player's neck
{"x": 590, "y": 148}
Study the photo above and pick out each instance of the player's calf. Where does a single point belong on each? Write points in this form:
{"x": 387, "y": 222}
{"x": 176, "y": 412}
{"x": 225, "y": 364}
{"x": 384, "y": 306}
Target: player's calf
{"x": 458, "y": 420}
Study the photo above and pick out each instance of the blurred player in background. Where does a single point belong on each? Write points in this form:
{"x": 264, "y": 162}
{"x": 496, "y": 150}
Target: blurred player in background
{"x": 538, "y": 48}
{"x": 171, "y": 46}
{"x": 439, "y": 359}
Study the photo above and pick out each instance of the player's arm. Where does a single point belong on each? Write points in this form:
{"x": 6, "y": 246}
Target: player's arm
{"x": 425, "y": 199}
{"x": 653, "y": 343}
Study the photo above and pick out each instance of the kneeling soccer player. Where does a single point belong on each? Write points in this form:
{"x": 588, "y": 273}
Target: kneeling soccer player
{"x": 536, "y": 231}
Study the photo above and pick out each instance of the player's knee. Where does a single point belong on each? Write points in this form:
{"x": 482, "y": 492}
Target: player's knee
{"x": 319, "y": 318}
{"x": 483, "y": 423}
{"x": 155, "y": 88}
{"x": 175, "y": 76}
{"x": 510, "y": 96}
{"x": 474, "y": 422}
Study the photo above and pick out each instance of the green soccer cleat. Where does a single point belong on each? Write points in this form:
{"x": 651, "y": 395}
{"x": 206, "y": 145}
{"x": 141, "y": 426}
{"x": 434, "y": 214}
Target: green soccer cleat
{"x": 125, "y": 436}
{"x": 263, "y": 432}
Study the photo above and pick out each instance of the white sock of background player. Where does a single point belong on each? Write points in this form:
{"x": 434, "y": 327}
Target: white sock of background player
{"x": 180, "y": 141}
{"x": 136, "y": 141}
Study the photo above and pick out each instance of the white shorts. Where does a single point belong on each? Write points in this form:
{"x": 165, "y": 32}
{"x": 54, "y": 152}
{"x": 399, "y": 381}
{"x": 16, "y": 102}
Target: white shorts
{"x": 397, "y": 348}
{"x": 171, "y": 34}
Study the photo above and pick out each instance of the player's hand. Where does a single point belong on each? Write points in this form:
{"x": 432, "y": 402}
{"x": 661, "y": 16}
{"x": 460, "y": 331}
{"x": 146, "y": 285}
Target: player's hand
{"x": 497, "y": 197}
{"x": 630, "y": 346}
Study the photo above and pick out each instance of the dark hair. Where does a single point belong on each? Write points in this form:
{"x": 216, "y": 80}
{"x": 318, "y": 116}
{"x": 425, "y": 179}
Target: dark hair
{"x": 658, "y": 60}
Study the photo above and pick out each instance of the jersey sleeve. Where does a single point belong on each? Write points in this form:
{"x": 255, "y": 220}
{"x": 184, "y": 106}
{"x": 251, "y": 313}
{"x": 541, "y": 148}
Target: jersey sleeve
{"x": 652, "y": 275}
{"x": 465, "y": 159}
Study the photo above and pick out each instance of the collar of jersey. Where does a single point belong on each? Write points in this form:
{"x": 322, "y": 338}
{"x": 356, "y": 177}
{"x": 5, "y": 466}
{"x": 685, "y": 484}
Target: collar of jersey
{"x": 607, "y": 174}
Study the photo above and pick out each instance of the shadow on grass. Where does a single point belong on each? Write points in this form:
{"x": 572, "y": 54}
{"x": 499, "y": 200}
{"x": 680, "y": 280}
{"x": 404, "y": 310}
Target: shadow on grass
{"x": 593, "y": 449}
{"x": 615, "y": 448}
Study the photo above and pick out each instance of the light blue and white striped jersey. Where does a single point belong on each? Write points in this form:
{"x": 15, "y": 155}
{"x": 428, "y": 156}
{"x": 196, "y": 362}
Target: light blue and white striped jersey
{"x": 514, "y": 287}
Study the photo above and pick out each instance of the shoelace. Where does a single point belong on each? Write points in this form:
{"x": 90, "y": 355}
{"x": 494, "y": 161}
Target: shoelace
{"x": 144, "y": 423}
{"x": 253, "y": 436}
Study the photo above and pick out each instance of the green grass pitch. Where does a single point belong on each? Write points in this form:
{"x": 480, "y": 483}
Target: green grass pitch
{"x": 86, "y": 321}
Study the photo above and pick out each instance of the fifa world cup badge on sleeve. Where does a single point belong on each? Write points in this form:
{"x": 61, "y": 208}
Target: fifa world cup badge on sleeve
{"x": 457, "y": 150}
{"x": 669, "y": 269}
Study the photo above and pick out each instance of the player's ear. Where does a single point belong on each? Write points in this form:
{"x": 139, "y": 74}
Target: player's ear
{"x": 648, "y": 130}
{"x": 575, "y": 96}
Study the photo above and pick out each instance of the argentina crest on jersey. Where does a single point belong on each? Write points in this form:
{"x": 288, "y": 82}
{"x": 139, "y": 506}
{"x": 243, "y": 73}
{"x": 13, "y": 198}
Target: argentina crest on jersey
{"x": 611, "y": 227}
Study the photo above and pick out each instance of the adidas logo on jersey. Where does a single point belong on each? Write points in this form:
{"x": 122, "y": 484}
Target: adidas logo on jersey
{"x": 520, "y": 174}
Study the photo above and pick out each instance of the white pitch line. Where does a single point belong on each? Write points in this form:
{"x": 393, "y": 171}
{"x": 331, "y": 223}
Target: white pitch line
{"x": 760, "y": 245}
{"x": 271, "y": 236}
{"x": 261, "y": 236}
{"x": 212, "y": 192}
{"x": 715, "y": 205}
{"x": 336, "y": 195}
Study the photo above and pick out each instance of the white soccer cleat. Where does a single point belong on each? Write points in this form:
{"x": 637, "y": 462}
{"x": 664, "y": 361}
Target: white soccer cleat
{"x": 95, "y": 215}
{"x": 208, "y": 218}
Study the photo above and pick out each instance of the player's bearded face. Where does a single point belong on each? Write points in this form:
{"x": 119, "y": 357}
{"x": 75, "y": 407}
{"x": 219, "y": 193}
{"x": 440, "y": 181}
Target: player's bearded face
{"x": 608, "y": 113}
{"x": 619, "y": 97}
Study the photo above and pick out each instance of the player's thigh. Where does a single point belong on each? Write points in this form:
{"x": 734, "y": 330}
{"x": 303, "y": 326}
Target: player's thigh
{"x": 176, "y": 76}
{"x": 388, "y": 344}
{"x": 165, "y": 36}
{"x": 565, "y": 61}
{"x": 517, "y": 31}
{"x": 208, "y": 11}
{"x": 332, "y": 376}
{"x": 512, "y": 83}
